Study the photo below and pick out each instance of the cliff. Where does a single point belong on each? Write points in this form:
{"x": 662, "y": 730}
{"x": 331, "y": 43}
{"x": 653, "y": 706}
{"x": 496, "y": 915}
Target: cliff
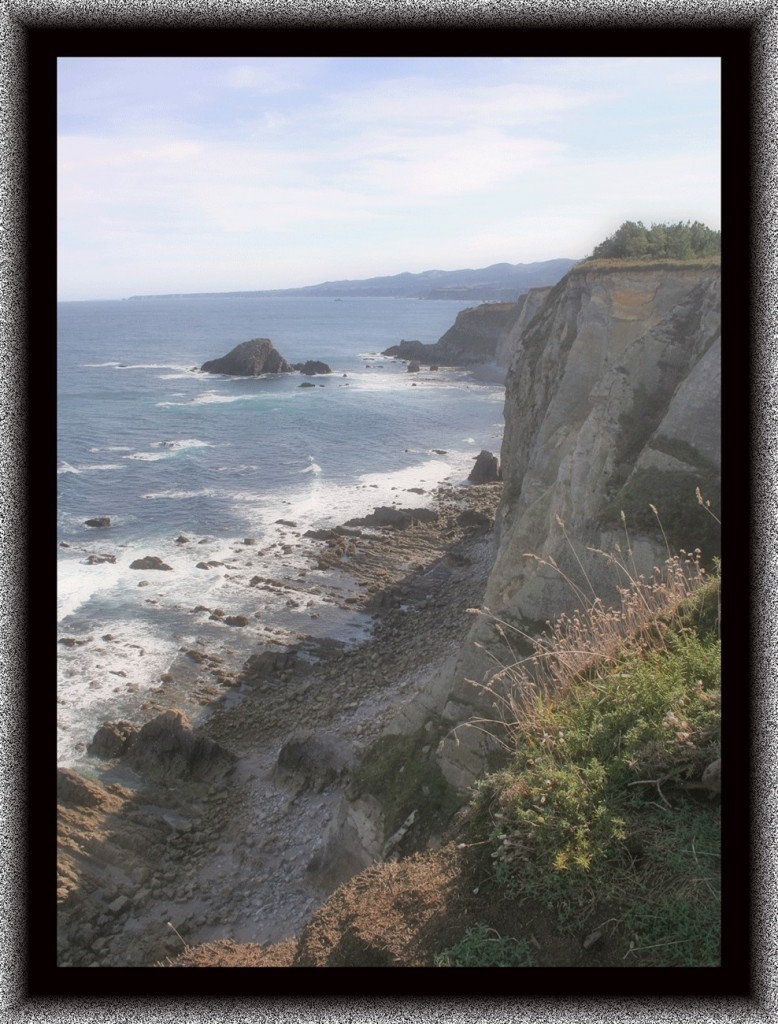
{"x": 474, "y": 338}
{"x": 612, "y": 406}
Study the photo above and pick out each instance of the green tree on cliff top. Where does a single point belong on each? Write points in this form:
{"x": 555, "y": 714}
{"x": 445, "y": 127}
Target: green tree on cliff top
{"x": 684, "y": 240}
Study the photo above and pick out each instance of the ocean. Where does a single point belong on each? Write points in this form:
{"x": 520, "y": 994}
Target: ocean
{"x": 196, "y": 468}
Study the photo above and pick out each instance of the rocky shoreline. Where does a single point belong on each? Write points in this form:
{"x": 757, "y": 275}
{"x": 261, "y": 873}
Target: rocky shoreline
{"x": 148, "y": 862}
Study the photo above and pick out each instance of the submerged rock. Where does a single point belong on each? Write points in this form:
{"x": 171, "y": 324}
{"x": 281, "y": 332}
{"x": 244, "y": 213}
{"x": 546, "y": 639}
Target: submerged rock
{"x": 99, "y": 522}
{"x": 249, "y": 359}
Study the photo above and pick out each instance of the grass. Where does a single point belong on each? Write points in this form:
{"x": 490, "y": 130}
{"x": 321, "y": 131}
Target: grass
{"x": 482, "y": 946}
{"x": 645, "y": 263}
{"x": 611, "y": 723}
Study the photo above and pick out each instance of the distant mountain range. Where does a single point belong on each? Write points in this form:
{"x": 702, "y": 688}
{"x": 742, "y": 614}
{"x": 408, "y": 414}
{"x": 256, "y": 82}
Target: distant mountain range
{"x": 501, "y": 282}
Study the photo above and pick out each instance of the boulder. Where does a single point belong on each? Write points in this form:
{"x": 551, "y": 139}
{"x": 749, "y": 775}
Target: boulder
{"x": 168, "y": 748}
{"x": 150, "y": 562}
{"x": 99, "y": 522}
{"x": 413, "y": 366}
{"x": 99, "y": 559}
{"x": 249, "y": 359}
{"x": 486, "y": 469}
{"x": 312, "y": 367}
{"x": 306, "y": 384}
{"x": 112, "y": 739}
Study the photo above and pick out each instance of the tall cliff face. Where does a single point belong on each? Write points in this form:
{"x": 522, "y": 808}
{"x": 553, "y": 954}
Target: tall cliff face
{"x": 612, "y": 404}
{"x": 526, "y": 312}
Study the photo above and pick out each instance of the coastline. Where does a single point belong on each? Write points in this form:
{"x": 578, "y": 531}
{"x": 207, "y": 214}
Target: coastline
{"x": 235, "y": 857}
{"x": 182, "y": 637}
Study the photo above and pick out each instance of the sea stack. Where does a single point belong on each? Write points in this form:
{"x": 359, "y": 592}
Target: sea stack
{"x": 249, "y": 359}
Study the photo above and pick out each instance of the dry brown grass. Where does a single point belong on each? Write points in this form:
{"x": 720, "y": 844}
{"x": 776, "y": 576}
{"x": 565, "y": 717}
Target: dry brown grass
{"x": 593, "y": 637}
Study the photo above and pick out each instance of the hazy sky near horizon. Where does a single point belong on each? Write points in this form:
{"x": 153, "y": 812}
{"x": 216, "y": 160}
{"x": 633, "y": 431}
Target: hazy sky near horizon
{"x": 225, "y": 173}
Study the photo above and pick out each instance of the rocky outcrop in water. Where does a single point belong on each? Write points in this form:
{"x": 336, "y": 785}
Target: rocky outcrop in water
{"x": 474, "y": 337}
{"x": 312, "y": 367}
{"x": 150, "y": 562}
{"x": 249, "y": 359}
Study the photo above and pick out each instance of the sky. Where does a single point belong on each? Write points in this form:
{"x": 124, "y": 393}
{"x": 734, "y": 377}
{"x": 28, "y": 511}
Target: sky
{"x": 227, "y": 174}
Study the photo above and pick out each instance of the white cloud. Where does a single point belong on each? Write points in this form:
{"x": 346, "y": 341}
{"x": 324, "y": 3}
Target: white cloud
{"x": 462, "y": 162}
{"x": 84, "y": 153}
{"x": 415, "y": 104}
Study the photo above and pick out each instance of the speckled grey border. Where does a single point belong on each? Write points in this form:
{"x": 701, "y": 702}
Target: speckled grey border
{"x": 13, "y": 388}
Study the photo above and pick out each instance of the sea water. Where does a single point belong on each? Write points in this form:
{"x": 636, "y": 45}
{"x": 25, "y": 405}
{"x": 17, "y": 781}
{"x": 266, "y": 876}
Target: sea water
{"x": 168, "y": 452}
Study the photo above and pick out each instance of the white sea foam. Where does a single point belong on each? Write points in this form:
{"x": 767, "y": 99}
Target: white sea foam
{"x": 431, "y": 473}
{"x": 323, "y": 503}
{"x": 177, "y": 445}
{"x": 213, "y": 397}
{"x": 110, "y": 448}
{"x": 77, "y": 583}
{"x": 170, "y": 447}
{"x": 207, "y": 492}
{"x": 65, "y": 467}
{"x": 148, "y": 456}
{"x": 313, "y": 466}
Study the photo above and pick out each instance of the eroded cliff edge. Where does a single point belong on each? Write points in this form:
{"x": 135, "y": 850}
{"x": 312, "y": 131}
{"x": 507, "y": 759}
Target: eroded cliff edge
{"x": 613, "y": 404}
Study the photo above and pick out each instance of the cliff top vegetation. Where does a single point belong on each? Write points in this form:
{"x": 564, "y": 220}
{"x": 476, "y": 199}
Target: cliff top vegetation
{"x": 682, "y": 241}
